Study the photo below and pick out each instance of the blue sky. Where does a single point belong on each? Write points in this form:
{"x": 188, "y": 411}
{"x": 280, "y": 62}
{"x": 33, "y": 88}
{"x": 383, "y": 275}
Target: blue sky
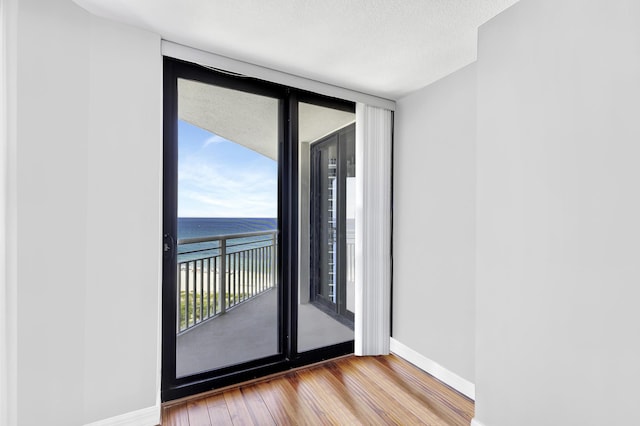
{"x": 219, "y": 178}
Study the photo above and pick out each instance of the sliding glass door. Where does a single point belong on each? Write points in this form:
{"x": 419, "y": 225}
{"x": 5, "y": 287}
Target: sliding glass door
{"x": 235, "y": 302}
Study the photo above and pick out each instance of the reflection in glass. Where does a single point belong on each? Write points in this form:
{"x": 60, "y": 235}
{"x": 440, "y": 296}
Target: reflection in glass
{"x": 327, "y": 226}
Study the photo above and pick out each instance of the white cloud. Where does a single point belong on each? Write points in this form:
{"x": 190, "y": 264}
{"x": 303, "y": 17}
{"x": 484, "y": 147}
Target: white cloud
{"x": 208, "y": 189}
{"x": 214, "y": 139}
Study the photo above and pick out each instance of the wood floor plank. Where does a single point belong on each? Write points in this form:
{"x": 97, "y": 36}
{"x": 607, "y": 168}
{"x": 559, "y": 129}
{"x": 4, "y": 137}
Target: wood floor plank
{"x": 198, "y": 412}
{"x": 328, "y": 392}
{"x": 455, "y": 406}
{"x": 285, "y": 404}
{"x": 384, "y": 390}
{"x": 259, "y": 412}
{"x": 218, "y": 411}
{"x": 400, "y": 392}
{"x": 407, "y": 394}
{"x": 175, "y": 415}
{"x": 365, "y": 397}
{"x": 430, "y": 386}
{"x": 328, "y": 408}
{"x": 382, "y": 396}
{"x": 321, "y": 412}
{"x": 238, "y": 409}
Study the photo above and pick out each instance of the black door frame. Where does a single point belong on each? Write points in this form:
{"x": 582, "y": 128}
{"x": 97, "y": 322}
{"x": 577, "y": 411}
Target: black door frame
{"x": 176, "y": 387}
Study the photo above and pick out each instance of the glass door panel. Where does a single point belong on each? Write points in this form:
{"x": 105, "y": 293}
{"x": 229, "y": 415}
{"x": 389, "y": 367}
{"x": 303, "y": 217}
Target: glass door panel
{"x": 327, "y": 226}
{"x": 227, "y": 212}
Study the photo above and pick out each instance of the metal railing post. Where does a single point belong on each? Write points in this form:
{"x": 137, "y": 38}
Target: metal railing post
{"x": 273, "y": 260}
{"x": 179, "y": 285}
{"x": 223, "y": 275}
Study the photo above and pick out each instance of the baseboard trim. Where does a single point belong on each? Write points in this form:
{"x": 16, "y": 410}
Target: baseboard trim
{"x": 144, "y": 417}
{"x": 475, "y": 422}
{"x": 463, "y": 386}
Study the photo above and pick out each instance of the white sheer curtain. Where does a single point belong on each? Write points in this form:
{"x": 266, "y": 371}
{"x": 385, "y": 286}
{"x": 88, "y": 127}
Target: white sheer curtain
{"x": 374, "y": 127}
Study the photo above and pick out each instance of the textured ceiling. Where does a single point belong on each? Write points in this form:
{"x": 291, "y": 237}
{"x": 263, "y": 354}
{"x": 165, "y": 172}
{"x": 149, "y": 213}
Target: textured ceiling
{"x": 251, "y": 120}
{"x": 386, "y": 48}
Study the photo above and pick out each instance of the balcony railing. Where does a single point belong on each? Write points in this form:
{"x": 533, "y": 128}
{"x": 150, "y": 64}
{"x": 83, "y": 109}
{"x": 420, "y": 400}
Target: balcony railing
{"x": 217, "y": 273}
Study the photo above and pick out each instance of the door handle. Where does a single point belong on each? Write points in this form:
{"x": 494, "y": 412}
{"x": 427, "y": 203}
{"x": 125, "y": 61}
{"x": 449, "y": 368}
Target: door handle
{"x": 168, "y": 244}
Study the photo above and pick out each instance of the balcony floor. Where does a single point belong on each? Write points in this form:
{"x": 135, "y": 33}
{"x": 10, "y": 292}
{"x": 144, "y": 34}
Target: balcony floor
{"x": 249, "y": 331}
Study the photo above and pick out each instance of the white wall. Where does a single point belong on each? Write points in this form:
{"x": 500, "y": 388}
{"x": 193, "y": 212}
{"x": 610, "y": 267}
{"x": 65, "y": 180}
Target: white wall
{"x": 8, "y": 267}
{"x": 558, "y": 211}
{"x": 434, "y": 218}
{"x": 52, "y": 113}
{"x": 123, "y": 221}
{"x": 87, "y": 182}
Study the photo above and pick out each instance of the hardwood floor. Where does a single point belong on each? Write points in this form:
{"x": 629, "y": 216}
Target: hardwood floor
{"x": 348, "y": 391}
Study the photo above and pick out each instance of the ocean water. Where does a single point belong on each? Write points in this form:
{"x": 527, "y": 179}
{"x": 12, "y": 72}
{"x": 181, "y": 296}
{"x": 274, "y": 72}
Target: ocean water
{"x": 192, "y": 227}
